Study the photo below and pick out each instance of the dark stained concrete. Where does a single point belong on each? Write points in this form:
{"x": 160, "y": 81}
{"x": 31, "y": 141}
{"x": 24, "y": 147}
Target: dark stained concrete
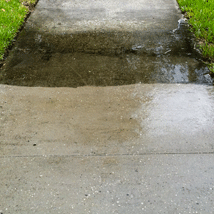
{"x": 98, "y": 43}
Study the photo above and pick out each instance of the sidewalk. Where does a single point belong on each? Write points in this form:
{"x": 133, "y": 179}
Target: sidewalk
{"x": 131, "y": 148}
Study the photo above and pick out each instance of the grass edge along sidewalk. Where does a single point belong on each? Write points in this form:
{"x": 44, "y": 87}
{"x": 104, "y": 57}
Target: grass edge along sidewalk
{"x": 200, "y": 14}
{"x": 13, "y": 14}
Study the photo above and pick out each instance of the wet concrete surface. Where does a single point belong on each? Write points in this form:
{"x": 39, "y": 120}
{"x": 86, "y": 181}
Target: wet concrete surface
{"x": 135, "y": 119}
{"x": 57, "y": 49}
{"x": 128, "y": 147}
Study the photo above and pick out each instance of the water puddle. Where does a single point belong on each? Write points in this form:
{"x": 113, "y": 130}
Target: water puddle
{"x": 104, "y": 59}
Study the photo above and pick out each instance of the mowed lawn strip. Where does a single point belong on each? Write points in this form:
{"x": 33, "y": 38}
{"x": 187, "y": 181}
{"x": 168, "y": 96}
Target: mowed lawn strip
{"x": 12, "y": 16}
{"x": 201, "y": 19}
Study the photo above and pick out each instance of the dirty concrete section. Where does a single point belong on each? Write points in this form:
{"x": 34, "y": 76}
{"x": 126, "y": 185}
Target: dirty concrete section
{"x": 71, "y": 44}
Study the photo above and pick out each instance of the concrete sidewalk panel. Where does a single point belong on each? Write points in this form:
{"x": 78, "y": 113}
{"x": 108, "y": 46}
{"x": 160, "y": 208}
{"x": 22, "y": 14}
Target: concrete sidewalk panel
{"x": 104, "y": 43}
{"x": 134, "y": 119}
{"x": 115, "y": 184}
{"x": 70, "y": 16}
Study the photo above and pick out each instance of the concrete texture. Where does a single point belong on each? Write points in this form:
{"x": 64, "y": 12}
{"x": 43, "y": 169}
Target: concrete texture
{"x": 115, "y": 184}
{"x": 71, "y": 16}
{"x": 128, "y": 149}
{"x": 104, "y": 43}
{"x": 135, "y": 119}
{"x": 138, "y": 148}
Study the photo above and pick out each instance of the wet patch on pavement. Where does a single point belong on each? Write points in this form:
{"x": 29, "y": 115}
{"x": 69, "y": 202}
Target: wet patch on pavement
{"x": 104, "y": 58}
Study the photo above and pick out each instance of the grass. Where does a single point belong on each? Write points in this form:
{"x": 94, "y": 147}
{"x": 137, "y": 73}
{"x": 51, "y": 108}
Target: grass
{"x": 201, "y": 19}
{"x": 12, "y": 16}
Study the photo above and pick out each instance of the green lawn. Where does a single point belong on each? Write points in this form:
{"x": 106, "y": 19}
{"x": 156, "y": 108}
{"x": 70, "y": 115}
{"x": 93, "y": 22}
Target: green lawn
{"x": 201, "y": 20}
{"x": 12, "y": 15}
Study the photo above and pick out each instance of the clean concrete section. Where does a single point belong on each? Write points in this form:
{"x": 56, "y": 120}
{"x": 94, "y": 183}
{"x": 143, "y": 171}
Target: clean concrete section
{"x": 115, "y": 184}
{"x": 128, "y": 149}
{"x": 125, "y": 148}
{"x": 135, "y": 119}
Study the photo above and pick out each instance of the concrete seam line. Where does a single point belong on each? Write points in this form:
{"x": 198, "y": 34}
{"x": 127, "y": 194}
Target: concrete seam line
{"x": 106, "y": 155}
